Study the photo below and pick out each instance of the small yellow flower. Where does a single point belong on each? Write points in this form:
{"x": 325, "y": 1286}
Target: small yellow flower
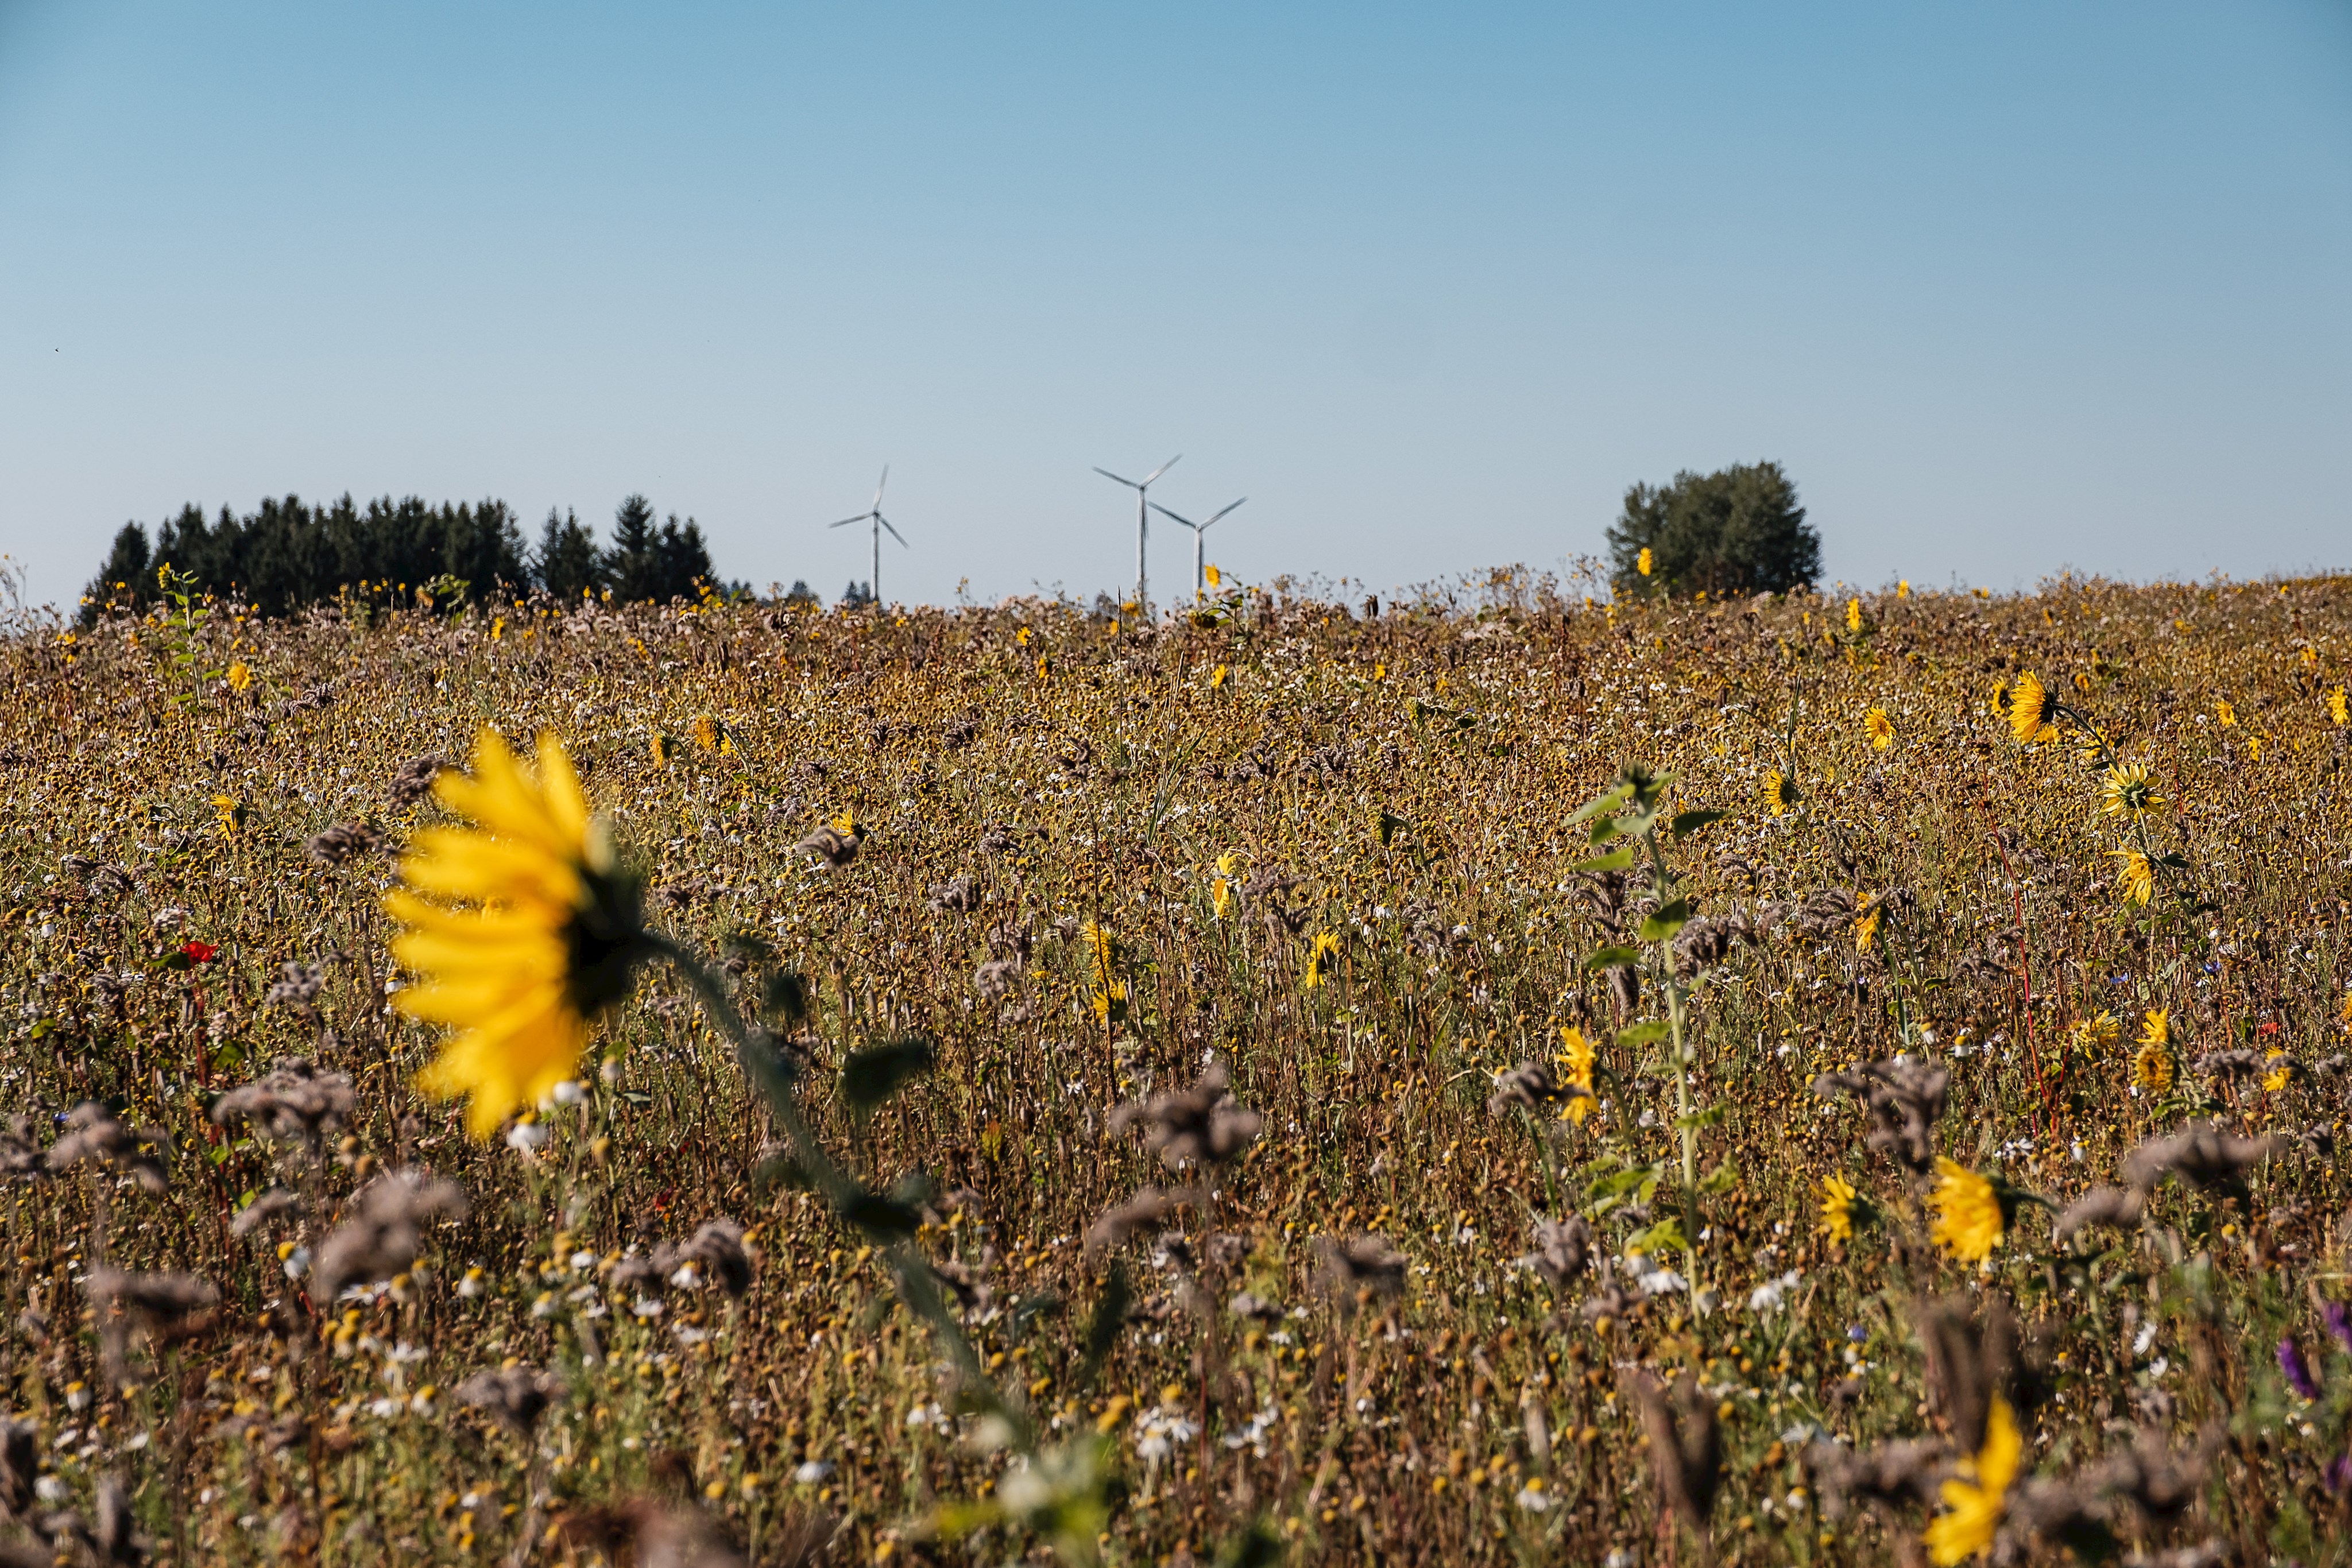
{"x": 1837, "y": 1208}
{"x": 1969, "y": 1222}
{"x": 1976, "y": 1499}
{"x": 2094, "y": 1034}
{"x": 1853, "y": 616}
{"x": 2152, "y": 1069}
{"x": 2254, "y": 748}
{"x": 1217, "y": 677}
{"x": 845, "y": 823}
{"x": 2223, "y": 710}
{"x": 2156, "y": 1029}
{"x": 1642, "y": 562}
{"x": 1865, "y": 930}
{"x": 659, "y": 750}
{"x": 1903, "y": 588}
{"x": 520, "y": 929}
{"x": 498, "y": 628}
{"x": 2281, "y": 1071}
{"x": 2127, "y": 792}
{"x": 1216, "y": 578}
{"x": 1022, "y": 636}
{"x": 2134, "y": 878}
{"x": 1577, "y": 1056}
{"x": 2336, "y": 706}
{"x": 2028, "y": 710}
{"x": 1879, "y": 727}
{"x": 1319, "y": 970}
{"x": 230, "y": 813}
{"x": 1779, "y": 793}
{"x": 1221, "y": 890}
{"x": 240, "y": 675}
{"x": 706, "y": 733}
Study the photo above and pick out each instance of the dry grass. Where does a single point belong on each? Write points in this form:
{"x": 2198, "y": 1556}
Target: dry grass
{"x": 1400, "y": 781}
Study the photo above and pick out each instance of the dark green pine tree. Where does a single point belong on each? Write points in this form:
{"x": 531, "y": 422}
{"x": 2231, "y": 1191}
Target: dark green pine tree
{"x": 683, "y": 561}
{"x": 567, "y": 563}
{"x": 632, "y": 560}
{"x": 123, "y": 578}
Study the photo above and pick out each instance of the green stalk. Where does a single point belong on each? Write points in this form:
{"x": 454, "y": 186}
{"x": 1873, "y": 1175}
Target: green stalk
{"x": 910, "y": 1271}
{"x": 1683, "y": 1124}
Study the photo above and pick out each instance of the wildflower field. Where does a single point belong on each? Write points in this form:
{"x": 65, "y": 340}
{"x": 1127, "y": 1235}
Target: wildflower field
{"x": 1489, "y": 1078}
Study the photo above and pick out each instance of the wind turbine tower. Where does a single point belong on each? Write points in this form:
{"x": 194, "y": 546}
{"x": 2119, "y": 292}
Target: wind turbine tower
{"x": 1142, "y": 523}
{"x": 872, "y": 515}
{"x": 1200, "y": 572}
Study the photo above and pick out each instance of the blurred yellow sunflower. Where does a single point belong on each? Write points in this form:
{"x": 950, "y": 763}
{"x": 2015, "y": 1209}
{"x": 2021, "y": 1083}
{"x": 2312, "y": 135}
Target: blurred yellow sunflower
{"x": 2152, "y": 1069}
{"x": 2224, "y": 712}
{"x": 1577, "y": 1055}
{"x": 1216, "y": 578}
{"x": 1969, "y": 1222}
{"x": 1853, "y": 616}
{"x": 2134, "y": 878}
{"x": 1319, "y": 962}
{"x": 1976, "y": 1499}
{"x": 520, "y": 930}
{"x": 240, "y": 675}
{"x": 2127, "y": 792}
{"x": 1779, "y": 793}
{"x": 1865, "y": 930}
{"x": 1642, "y": 562}
{"x": 2279, "y": 1070}
{"x": 2156, "y": 1029}
{"x": 1879, "y": 727}
{"x": 2337, "y": 707}
{"x": 2093, "y": 1034}
{"x": 1837, "y": 1208}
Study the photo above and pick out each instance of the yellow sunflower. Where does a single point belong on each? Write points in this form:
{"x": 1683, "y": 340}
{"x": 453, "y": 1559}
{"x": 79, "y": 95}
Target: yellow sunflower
{"x": 1577, "y": 1055}
{"x": 240, "y": 675}
{"x": 2336, "y": 706}
{"x": 1865, "y": 930}
{"x": 1976, "y": 1499}
{"x": 1879, "y": 727}
{"x": 1642, "y": 562}
{"x": 1853, "y": 616}
{"x": 2093, "y": 1033}
{"x": 2028, "y": 710}
{"x": 2224, "y": 712}
{"x": 2156, "y": 1029}
{"x": 2152, "y": 1069}
{"x": 1779, "y": 793}
{"x": 1969, "y": 1222}
{"x": 2134, "y": 878}
{"x": 1319, "y": 968}
{"x": 1838, "y": 1208}
{"x": 2127, "y": 792}
{"x": 520, "y": 930}
{"x": 2279, "y": 1070}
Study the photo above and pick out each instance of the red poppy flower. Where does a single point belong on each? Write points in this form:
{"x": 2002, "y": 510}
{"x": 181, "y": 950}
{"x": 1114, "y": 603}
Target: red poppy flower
{"x": 199, "y": 952}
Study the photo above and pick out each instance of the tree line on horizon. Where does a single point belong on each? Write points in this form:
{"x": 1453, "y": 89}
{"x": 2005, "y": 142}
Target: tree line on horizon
{"x": 1734, "y": 532}
{"x": 287, "y": 554}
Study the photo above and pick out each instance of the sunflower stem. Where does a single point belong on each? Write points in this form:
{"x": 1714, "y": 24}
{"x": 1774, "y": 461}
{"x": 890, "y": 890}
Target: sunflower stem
{"x": 910, "y": 1271}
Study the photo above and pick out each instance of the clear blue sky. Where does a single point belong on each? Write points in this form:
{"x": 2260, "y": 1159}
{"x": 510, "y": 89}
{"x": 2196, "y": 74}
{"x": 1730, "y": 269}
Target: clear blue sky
{"x": 2008, "y": 287}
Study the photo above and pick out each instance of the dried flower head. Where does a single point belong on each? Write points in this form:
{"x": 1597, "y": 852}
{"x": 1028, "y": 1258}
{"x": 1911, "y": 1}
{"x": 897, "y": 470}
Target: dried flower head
{"x": 383, "y": 1233}
{"x": 293, "y": 1101}
{"x": 1357, "y": 1266}
{"x": 513, "y": 1396}
{"x": 1904, "y": 1100}
{"x": 1684, "y": 1452}
{"x": 1203, "y": 1124}
{"x": 2203, "y": 1154}
{"x": 92, "y": 1135}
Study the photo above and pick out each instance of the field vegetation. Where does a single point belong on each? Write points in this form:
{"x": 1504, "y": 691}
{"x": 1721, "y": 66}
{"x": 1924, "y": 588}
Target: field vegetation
{"x": 1494, "y": 1077}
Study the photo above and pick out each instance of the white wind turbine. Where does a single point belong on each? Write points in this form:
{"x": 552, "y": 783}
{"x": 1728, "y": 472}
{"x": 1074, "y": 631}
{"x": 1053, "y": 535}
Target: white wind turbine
{"x": 1199, "y": 566}
{"x": 872, "y": 515}
{"x": 1142, "y": 521}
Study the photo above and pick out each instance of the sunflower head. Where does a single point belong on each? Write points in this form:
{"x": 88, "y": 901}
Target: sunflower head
{"x": 1841, "y": 1206}
{"x": 1969, "y": 1219}
{"x": 2152, "y": 1069}
{"x": 520, "y": 928}
{"x": 706, "y": 733}
{"x": 2337, "y": 708}
{"x": 1853, "y": 616}
{"x": 2029, "y": 709}
{"x": 1879, "y": 727}
{"x": 2127, "y": 791}
{"x": 1865, "y": 930}
{"x": 1975, "y": 1499}
{"x": 1576, "y": 1055}
{"x": 1780, "y": 793}
{"x": 1644, "y": 561}
{"x": 2156, "y": 1029}
{"x": 2224, "y": 712}
{"x": 1319, "y": 961}
{"x": 2134, "y": 878}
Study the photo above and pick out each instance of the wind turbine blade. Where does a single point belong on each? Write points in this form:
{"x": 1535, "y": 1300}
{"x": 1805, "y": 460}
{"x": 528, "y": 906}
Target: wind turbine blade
{"x": 894, "y": 533}
{"x": 1222, "y": 514}
{"x": 1129, "y": 483}
{"x": 1166, "y": 513}
{"x": 880, "y": 486}
{"x": 1165, "y": 466}
{"x": 845, "y": 522}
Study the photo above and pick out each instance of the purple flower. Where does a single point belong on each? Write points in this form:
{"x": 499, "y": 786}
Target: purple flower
{"x": 2338, "y": 1475}
{"x": 2339, "y": 1322}
{"x": 2298, "y": 1374}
